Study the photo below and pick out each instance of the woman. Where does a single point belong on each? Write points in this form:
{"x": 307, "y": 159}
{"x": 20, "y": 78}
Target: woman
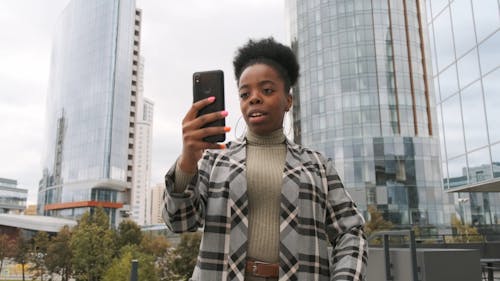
{"x": 269, "y": 208}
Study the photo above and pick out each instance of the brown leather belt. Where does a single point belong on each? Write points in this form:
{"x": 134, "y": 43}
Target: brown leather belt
{"x": 262, "y": 269}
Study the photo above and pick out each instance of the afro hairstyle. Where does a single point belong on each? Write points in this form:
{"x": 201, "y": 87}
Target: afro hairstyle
{"x": 269, "y": 52}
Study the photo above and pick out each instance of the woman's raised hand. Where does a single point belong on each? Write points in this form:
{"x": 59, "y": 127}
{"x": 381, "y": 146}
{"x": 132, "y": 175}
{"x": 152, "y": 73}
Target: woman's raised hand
{"x": 193, "y": 134}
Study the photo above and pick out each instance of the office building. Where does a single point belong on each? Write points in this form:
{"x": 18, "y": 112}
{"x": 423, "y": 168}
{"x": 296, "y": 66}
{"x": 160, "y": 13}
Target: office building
{"x": 142, "y": 155}
{"x": 156, "y": 207}
{"x": 92, "y": 104}
{"x": 365, "y": 98}
{"x": 465, "y": 36}
{"x": 12, "y": 198}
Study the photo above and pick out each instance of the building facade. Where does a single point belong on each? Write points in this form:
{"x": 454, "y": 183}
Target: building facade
{"x": 142, "y": 156}
{"x": 465, "y": 35}
{"x": 12, "y": 199}
{"x": 92, "y": 103}
{"x": 365, "y": 98}
{"x": 156, "y": 206}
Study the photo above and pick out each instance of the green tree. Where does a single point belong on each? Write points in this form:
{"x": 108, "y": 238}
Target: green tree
{"x": 182, "y": 260}
{"x": 155, "y": 245}
{"x": 375, "y": 224}
{"x": 7, "y": 246}
{"x": 465, "y": 232}
{"x": 59, "y": 255}
{"x": 129, "y": 233}
{"x": 122, "y": 265}
{"x": 92, "y": 246}
{"x": 21, "y": 252}
{"x": 38, "y": 254}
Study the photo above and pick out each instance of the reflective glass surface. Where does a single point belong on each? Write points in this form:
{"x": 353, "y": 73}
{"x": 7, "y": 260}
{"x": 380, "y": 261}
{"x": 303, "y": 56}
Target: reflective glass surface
{"x": 471, "y": 128}
{"x": 362, "y": 101}
{"x": 88, "y": 102}
{"x": 492, "y": 102}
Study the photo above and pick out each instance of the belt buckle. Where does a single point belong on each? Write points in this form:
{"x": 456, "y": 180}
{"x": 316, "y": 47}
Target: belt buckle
{"x": 255, "y": 268}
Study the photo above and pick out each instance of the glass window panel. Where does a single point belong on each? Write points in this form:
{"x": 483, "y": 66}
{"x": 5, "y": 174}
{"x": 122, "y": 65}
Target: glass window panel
{"x": 479, "y": 165}
{"x": 468, "y": 69}
{"x": 444, "y": 40}
{"x": 463, "y": 26}
{"x": 444, "y": 168}
{"x": 441, "y": 132}
{"x": 432, "y": 49}
{"x": 473, "y": 116}
{"x": 489, "y": 54}
{"x": 438, "y": 5}
{"x": 456, "y": 171}
{"x": 486, "y": 16}
{"x": 495, "y": 159}
{"x": 452, "y": 124}
{"x": 448, "y": 82}
{"x": 492, "y": 100}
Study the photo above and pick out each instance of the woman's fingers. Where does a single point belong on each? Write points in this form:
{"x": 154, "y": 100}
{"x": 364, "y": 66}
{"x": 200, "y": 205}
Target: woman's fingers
{"x": 202, "y": 120}
{"x": 196, "y": 107}
{"x": 194, "y": 138}
{"x": 193, "y": 133}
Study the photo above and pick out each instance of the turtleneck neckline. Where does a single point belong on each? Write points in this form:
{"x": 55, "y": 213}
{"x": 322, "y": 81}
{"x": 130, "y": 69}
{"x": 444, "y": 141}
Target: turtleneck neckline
{"x": 275, "y": 137}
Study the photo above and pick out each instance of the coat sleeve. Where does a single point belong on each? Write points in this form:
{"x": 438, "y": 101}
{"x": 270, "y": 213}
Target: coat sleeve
{"x": 344, "y": 226}
{"x": 185, "y": 211}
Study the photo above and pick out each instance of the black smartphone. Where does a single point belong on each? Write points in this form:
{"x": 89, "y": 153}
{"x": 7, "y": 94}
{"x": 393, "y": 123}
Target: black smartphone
{"x": 207, "y": 84}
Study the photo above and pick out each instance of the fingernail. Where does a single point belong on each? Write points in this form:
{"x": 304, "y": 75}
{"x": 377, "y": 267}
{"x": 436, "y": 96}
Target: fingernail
{"x": 224, "y": 113}
{"x": 222, "y": 146}
{"x": 227, "y": 129}
{"x": 211, "y": 99}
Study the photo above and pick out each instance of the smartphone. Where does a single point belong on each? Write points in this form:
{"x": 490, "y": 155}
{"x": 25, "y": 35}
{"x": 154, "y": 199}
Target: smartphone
{"x": 207, "y": 84}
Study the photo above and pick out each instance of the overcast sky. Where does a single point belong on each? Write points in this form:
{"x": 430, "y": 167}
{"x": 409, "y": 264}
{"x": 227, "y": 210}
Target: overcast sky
{"x": 178, "y": 38}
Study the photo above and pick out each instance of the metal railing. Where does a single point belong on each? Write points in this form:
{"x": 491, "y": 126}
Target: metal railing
{"x": 387, "y": 257}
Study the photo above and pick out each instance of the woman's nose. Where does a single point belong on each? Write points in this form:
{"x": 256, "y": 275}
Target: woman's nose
{"x": 255, "y": 98}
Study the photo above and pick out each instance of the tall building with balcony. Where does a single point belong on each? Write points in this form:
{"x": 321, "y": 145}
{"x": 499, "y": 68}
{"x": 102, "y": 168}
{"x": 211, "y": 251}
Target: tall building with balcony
{"x": 465, "y": 36}
{"x": 365, "y": 98}
{"x": 12, "y": 199}
{"x": 142, "y": 156}
{"x": 92, "y": 105}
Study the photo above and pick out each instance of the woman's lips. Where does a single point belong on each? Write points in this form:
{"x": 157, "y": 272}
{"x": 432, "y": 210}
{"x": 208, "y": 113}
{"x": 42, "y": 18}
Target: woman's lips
{"x": 256, "y": 116}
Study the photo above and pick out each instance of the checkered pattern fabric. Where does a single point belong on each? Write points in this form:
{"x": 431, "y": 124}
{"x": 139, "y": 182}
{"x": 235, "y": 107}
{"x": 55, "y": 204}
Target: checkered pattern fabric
{"x": 316, "y": 212}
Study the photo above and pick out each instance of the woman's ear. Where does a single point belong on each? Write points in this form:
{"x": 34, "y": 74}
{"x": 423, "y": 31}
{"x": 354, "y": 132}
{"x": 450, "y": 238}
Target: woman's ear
{"x": 289, "y": 102}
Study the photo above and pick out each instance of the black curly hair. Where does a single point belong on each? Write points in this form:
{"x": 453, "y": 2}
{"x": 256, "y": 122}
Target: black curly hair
{"x": 269, "y": 52}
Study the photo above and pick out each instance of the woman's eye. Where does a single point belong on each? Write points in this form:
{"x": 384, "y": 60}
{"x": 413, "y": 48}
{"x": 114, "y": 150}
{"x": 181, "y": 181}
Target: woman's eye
{"x": 267, "y": 90}
{"x": 243, "y": 96}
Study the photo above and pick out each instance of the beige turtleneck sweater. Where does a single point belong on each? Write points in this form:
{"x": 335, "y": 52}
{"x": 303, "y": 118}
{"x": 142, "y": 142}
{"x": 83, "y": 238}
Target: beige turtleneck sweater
{"x": 265, "y": 165}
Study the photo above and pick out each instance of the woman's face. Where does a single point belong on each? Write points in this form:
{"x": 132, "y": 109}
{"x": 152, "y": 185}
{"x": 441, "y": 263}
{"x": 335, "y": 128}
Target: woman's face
{"x": 263, "y": 101}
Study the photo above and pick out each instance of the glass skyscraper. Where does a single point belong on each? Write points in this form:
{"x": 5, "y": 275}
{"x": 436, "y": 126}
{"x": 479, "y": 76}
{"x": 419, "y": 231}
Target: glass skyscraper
{"x": 91, "y": 108}
{"x": 465, "y": 37}
{"x": 365, "y": 98}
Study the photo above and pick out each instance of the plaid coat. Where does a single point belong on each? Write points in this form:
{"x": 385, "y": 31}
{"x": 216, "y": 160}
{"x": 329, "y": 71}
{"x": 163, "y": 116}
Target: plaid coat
{"x": 315, "y": 211}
